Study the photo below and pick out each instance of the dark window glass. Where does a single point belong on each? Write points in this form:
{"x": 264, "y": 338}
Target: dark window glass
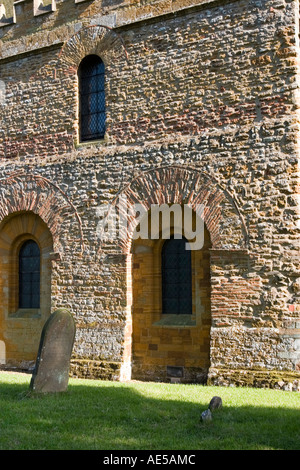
{"x": 176, "y": 277}
{"x": 91, "y": 98}
{"x": 29, "y": 275}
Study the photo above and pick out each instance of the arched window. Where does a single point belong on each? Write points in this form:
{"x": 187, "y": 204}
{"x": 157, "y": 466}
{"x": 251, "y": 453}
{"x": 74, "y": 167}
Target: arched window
{"x": 91, "y": 74}
{"x": 176, "y": 270}
{"x": 29, "y": 275}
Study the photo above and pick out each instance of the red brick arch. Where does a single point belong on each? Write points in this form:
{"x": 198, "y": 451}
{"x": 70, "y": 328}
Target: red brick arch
{"x": 22, "y": 192}
{"x": 181, "y": 185}
{"x": 99, "y": 40}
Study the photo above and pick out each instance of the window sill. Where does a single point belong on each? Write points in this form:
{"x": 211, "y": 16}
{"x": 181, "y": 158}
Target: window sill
{"x": 176, "y": 321}
{"x": 26, "y": 313}
{"x": 90, "y": 143}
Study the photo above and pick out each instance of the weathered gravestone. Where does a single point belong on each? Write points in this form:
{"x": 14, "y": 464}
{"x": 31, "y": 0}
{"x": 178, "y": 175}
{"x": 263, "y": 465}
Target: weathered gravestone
{"x": 51, "y": 372}
{"x": 215, "y": 403}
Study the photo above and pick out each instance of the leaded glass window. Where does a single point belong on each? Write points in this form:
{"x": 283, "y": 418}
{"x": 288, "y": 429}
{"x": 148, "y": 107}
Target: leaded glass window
{"x": 176, "y": 277}
{"x": 91, "y": 75}
{"x": 29, "y": 275}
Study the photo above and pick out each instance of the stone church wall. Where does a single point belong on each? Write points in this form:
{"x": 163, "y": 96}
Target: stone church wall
{"x": 202, "y": 95}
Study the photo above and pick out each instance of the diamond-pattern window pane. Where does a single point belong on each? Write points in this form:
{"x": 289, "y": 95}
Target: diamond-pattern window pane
{"x": 92, "y": 98}
{"x": 29, "y": 275}
{"x": 176, "y": 277}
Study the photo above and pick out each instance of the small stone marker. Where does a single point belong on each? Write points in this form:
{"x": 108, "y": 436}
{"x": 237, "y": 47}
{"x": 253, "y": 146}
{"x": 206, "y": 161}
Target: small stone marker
{"x": 215, "y": 403}
{"x": 206, "y": 416}
{"x": 51, "y": 372}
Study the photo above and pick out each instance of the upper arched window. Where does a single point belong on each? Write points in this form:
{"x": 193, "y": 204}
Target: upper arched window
{"x": 176, "y": 270}
{"x": 91, "y": 74}
{"x": 29, "y": 275}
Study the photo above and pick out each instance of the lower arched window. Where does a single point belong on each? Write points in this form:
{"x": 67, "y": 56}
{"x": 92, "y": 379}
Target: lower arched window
{"x": 29, "y": 275}
{"x": 176, "y": 270}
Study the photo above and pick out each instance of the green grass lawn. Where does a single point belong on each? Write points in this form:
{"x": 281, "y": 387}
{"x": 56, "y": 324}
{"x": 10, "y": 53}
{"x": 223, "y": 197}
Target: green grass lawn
{"x": 103, "y": 415}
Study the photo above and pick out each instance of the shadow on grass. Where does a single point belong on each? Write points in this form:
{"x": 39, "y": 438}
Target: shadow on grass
{"x": 120, "y": 417}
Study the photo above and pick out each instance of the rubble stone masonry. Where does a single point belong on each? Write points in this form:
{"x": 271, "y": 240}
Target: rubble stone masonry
{"x": 202, "y": 107}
